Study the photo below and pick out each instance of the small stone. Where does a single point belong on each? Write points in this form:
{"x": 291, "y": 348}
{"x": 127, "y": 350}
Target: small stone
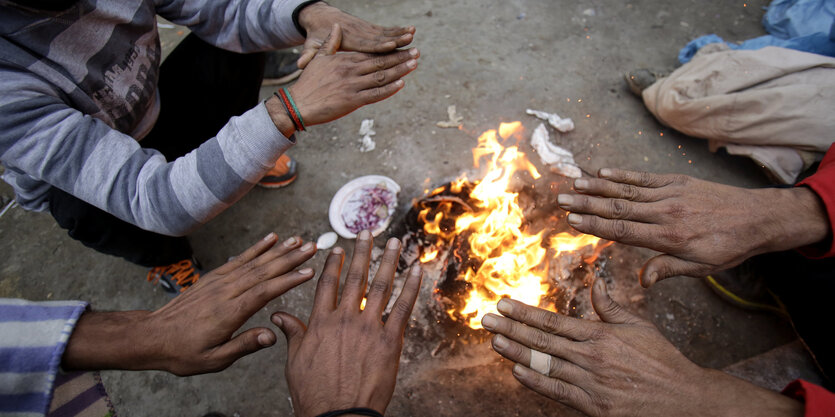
{"x": 326, "y": 241}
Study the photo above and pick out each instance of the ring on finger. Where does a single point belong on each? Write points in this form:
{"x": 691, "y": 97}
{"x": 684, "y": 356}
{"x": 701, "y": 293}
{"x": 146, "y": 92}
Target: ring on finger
{"x": 540, "y": 362}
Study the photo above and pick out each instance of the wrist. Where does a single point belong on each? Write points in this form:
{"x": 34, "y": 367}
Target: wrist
{"x": 308, "y": 15}
{"x": 110, "y": 340}
{"x": 279, "y": 116}
{"x": 796, "y": 218}
{"x": 734, "y": 397}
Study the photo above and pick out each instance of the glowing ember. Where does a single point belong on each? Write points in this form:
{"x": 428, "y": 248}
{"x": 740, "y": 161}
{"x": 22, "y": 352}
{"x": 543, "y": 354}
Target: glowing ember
{"x": 506, "y": 260}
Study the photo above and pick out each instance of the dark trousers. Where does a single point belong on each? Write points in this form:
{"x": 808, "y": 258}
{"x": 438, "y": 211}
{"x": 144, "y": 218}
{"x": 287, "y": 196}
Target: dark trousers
{"x": 805, "y": 287}
{"x": 200, "y": 88}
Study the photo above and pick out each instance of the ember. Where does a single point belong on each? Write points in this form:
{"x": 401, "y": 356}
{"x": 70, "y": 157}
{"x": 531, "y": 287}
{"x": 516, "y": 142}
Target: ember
{"x": 494, "y": 239}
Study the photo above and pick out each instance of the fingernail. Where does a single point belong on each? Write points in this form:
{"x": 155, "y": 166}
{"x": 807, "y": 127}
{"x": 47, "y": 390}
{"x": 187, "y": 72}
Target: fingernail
{"x": 265, "y": 339}
{"x": 411, "y": 63}
{"x": 599, "y": 285}
{"x": 504, "y": 306}
{"x": 269, "y": 237}
{"x": 416, "y": 270}
{"x": 499, "y": 342}
{"x": 306, "y": 271}
{"x": 580, "y": 184}
{"x": 565, "y": 199}
{"x": 653, "y": 277}
{"x": 393, "y": 243}
{"x": 337, "y": 251}
{"x": 517, "y": 370}
{"x": 307, "y": 247}
{"x": 605, "y": 173}
{"x": 413, "y": 52}
{"x": 399, "y": 83}
{"x": 290, "y": 242}
{"x": 489, "y": 322}
{"x": 575, "y": 219}
{"x": 364, "y": 235}
{"x": 277, "y": 320}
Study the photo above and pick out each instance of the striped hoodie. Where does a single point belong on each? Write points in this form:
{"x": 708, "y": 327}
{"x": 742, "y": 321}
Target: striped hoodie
{"x": 78, "y": 89}
{"x": 33, "y": 336}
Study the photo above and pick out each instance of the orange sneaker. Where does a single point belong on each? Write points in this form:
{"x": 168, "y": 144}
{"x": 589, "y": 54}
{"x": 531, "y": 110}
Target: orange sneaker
{"x": 177, "y": 277}
{"x": 283, "y": 173}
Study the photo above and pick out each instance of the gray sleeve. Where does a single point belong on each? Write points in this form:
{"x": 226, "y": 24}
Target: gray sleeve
{"x": 237, "y": 25}
{"x": 83, "y": 156}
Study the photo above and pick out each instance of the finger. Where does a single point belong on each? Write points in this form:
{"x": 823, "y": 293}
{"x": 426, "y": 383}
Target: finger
{"x": 608, "y": 310}
{"x": 530, "y": 336}
{"x": 373, "y": 95}
{"x": 605, "y": 188}
{"x": 258, "y": 296}
{"x": 327, "y": 288}
{"x": 275, "y": 267}
{"x": 292, "y": 327}
{"x": 641, "y": 179}
{"x": 246, "y": 343}
{"x": 384, "y": 77}
{"x": 555, "y": 389}
{"x": 379, "y": 290}
{"x": 521, "y": 354}
{"x": 623, "y": 231}
{"x": 333, "y": 42}
{"x": 311, "y": 48}
{"x": 357, "y": 276}
{"x": 396, "y": 31}
{"x": 396, "y": 323}
{"x": 668, "y": 266}
{"x": 610, "y": 208}
{"x": 370, "y": 64}
{"x": 254, "y": 251}
{"x": 546, "y": 321}
{"x": 278, "y": 250}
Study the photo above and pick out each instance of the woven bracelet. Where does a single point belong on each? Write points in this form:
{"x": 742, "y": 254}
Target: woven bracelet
{"x": 286, "y": 110}
{"x": 358, "y": 411}
{"x": 286, "y": 92}
{"x": 290, "y": 110}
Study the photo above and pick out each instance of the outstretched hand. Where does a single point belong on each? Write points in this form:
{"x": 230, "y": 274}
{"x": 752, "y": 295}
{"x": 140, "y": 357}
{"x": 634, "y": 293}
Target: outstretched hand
{"x": 621, "y": 366}
{"x": 358, "y": 35}
{"x": 347, "y": 357}
{"x": 700, "y": 227}
{"x": 193, "y": 333}
{"x": 334, "y": 85}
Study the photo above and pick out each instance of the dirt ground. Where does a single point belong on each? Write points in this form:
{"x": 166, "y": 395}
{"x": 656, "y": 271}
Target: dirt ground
{"x": 492, "y": 59}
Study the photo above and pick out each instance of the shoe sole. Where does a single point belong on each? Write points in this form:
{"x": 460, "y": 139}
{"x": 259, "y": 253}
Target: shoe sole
{"x": 277, "y": 184}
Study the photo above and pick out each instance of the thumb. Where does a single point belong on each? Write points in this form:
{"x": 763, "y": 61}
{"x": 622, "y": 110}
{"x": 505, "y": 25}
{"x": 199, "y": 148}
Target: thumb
{"x": 608, "y": 310}
{"x": 244, "y": 344}
{"x": 291, "y": 326}
{"x": 311, "y": 47}
{"x": 333, "y": 42}
{"x": 666, "y": 266}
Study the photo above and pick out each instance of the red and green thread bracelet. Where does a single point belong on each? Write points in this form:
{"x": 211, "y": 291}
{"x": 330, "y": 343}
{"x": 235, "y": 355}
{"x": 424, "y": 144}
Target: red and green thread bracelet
{"x": 290, "y": 106}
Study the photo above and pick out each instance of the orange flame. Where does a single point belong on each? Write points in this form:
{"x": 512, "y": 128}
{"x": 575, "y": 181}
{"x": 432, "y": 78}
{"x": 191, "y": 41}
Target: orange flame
{"x": 512, "y": 263}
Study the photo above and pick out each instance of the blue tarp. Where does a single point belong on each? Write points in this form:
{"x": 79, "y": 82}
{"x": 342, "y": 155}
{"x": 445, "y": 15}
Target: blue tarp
{"x": 804, "y": 25}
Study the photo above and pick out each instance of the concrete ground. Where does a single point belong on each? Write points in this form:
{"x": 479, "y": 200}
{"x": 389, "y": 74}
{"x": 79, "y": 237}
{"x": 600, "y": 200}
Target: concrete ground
{"x": 492, "y": 59}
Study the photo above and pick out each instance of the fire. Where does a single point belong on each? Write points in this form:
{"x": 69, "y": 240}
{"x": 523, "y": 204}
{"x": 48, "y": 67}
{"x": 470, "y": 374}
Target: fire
{"x": 509, "y": 261}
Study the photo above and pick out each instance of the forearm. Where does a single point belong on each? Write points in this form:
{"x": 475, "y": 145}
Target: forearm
{"x": 728, "y": 396}
{"x": 110, "y": 340}
{"x": 792, "y": 218}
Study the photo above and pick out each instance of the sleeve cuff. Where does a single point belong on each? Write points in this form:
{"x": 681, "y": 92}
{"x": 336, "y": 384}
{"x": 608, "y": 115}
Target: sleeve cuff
{"x": 823, "y": 184}
{"x": 296, "y": 14}
{"x": 818, "y": 401}
{"x": 252, "y": 143}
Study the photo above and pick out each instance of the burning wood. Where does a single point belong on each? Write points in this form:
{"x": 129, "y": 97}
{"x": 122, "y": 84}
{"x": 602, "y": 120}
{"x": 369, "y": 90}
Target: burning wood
{"x": 497, "y": 237}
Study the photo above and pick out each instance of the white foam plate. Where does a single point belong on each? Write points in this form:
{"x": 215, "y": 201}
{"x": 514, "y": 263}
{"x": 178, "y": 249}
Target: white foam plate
{"x": 344, "y": 194}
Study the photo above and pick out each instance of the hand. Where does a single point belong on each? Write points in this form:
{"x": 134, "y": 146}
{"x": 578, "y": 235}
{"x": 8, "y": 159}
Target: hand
{"x": 334, "y": 85}
{"x": 621, "y": 366}
{"x": 347, "y": 357}
{"x": 192, "y": 334}
{"x": 701, "y": 227}
{"x": 358, "y": 35}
